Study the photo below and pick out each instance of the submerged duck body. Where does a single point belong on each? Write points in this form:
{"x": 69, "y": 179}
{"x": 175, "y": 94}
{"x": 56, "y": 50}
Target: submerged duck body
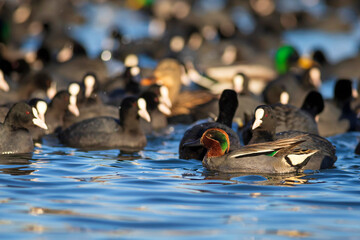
{"x": 107, "y": 132}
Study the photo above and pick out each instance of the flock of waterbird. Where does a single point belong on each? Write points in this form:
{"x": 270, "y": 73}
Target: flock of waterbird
{"x": 244, "y": 117}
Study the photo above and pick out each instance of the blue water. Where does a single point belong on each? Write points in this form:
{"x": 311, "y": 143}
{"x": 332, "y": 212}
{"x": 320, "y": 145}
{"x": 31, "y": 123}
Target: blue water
{"x": 62, "y": 193}
{"x": 65, "y": 193}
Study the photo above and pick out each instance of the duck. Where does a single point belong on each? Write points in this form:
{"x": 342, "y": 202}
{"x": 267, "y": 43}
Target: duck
{"x": 86, "y": 97}
{"x": 4, "y": 86}
{"x": 302, "y": 119}
{"x": 53, "y": 114}
{"x": 279, "y": 156}
{"x": 109, "y": 133}
{"x": 291, "y": 118}
{"x": 345, "y": 68}
{"x": 123, "y": 85}
{"x": 190, "y": 148}
{"x": 267, "y": 153}
{"x": 35, "y": 84}
{"x": 264, "y": 131}
{"x": 158, "y": 111}
{"x": 247, "y": 102}
{"x": 171, "y": 73}
{"x": 338, "y": 116}
{"x": 15, "y": 136}
{"x": 41, "y": 106}
{"x": 74, "y": 69}
{"x": 89, "y": 90}
{"x": 295, "y": 84}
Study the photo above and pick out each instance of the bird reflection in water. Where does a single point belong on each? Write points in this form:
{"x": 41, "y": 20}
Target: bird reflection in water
{"x": 290, "y": 179}
{"x": 21, "y": 161}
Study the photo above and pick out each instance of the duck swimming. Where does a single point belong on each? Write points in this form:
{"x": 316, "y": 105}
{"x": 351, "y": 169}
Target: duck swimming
{"x": 190, "y": 147}
{"x": 267, "y": 153}
{"x": 14, "y": 134}
{"x": 107, "y": 132}
{"x": 291, "y": 118}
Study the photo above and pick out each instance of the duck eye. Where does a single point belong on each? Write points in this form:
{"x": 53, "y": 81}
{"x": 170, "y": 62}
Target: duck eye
{"x": 27, "y": 112}
{"x": 266, "y": 115}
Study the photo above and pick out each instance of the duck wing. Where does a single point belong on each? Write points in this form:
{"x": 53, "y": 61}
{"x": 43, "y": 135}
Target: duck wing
{"x": 277, "y": 147}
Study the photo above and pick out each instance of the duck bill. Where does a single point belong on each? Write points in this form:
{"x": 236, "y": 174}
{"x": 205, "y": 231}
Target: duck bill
{"x": 73, "y": 108}
{"x": 142, "y": 109}
{"x": 3, "y": 84}
{"x": 51, "y": 92}
{"x": 256, "y": 124}
{"x": 144, "y": 114}
{"x": 238, "y": 83}
{"x": 88, "y": 91}
{"x": 305, "y": 62}
{"x": 164, "y": 96}
{"x": 185, "y": 79}
{"x": 164, "y": 109}
{"x": 42, "y": 117}
{"x": 147, "y": 82}
{"x": 194, "y": 143}
{"x": 166, "y": 101}
{"x": 37, "y": 121}
{"x": 354, "y": 93}
{"x": 284, "y": 98}
{"x": 40, "y": 123}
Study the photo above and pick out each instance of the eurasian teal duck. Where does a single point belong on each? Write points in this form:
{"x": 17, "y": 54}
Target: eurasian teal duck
{"x": 281, "y": 156}
{"x": 190, "y": 147}
{"x": 267, "y": 153}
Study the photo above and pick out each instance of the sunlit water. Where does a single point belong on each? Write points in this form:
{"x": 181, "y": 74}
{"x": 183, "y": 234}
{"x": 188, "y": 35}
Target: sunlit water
{"x": 65, "y": 193}
{"x": 62, "y": 192}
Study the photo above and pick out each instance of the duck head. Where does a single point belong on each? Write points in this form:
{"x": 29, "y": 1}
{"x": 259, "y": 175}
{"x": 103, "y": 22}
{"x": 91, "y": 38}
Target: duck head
{"x": 228, "y": 104}
{"x": 264, "y": 126}
{"x": 3, "y": 84}
{"x": 216, "y": 141}
{"x": 131, "y": 109}
{"x": 168, "y": 73}
{"x": 41, "y": 107}
{"x": 312, "y": 77}
{"x": 90, "y": 83}
{"x": 278, "y": 94}
{"x": 287, "y": 56}
{"x": 241, "y": 83}
{"x": 313, "y": 103}
{"x": 343, "y": 91}
{"x": 22, "y": 115}
{"x": 141, "y": 103}
{"x": 264, "y": 117}
{"x": 62, "y": 102}
{"x": 153, "y": 102}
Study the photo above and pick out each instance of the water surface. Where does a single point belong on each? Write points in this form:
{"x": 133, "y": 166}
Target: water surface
{"x": 61, "y": 192}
